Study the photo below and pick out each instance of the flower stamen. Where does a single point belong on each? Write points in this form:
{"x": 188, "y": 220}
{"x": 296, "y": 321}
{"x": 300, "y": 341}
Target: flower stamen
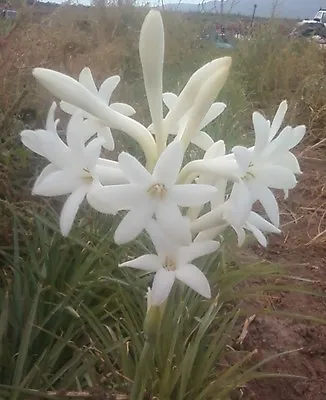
{"x": 170, "y": 264}
{"x": 157, "y": 190}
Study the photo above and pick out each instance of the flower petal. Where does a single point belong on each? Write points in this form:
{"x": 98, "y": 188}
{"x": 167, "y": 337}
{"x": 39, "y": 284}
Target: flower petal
{"x": 148, "y": 262}
{"x": 92, "y": 153}
{"x": 57, "y": 184}
{"x": 51, "y": 123}
{"x": 75, "y": 136}
{"x": 261, "y": 126}
{"x": 241, "y": 235}
{"x": 278, "y": 119}
{"x": 70, "y": 208}
{"x": 173, "y": 223}
{"x": 239, "y": 205}
{"x": 160, "y": 240}
{"x": 168, "y": 166}
{"x": 110, "y": 199}
{"x": 268, "y": 201}
{"x": 133, "y": 224}
{"x": 33, "y": 140}
{"x": 298, "y": 134}
{"x": 220, "y": 196}
{"x": 108, "y": 87}
{"x": 105, "y": 134}
{"x": 217, "y": 149}
{"x": 49, "y": 169}
{"x": 275, "y": 176}
{"x": 261, "y": 223}
{"x": 260, "y": 237}
{"x": 280, "y": 144}
{"x": 170, "y": 99}
{"x": 133, "y": 170}
{"x": 210, "y": 234}
{"x": 243, "y": 157}
{"x": 162, "y": 285}
{"x": 197, "y": 249}
{"x": 191, "y": 195}
{"x": 87, "y": 80}
{"x": 215, "y": 110}
{"x": 67, "y": 107}
{"x": 202, "y": 140}
{"x": 194, "y": 278}
{"x": 289, "y": 161}
{"x": 109, "y": 176}
{"x": 123, "y": 108}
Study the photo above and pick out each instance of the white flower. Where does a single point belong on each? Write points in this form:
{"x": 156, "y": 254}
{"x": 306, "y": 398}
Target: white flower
{"x": 257, "y": 225}
{"x": 173, "y": 262}
{"x": 73, "y": 166}
{"x": 149, "y": 195}
{"x": 95, "y": 125}
{"x": 73, "y": 92}
{"x": 201, "y": 139}
{"x": 259, "y": 172}
{"x": 232, "y": 211}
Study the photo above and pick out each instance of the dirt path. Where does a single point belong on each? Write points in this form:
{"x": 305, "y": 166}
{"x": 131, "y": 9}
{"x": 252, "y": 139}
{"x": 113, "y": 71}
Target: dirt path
{"x": 302, "y": 247}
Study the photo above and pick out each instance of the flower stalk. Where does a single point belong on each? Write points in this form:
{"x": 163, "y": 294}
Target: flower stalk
{"x": 182, "y": 207}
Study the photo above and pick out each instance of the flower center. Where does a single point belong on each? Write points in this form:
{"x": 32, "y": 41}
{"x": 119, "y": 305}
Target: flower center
{"x": 158, "y": 190}
{"x": 249, "y": 175}
{"x": 170, "y": 264}
{"x": 87, "y": 176}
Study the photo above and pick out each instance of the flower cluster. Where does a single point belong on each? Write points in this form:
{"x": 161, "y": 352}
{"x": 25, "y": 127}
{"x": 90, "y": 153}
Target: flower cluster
{"x": 183, "y": 207}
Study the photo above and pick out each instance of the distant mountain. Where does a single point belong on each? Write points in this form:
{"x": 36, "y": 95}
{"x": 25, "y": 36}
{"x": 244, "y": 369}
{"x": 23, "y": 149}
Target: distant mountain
{"x": 286, "y": 8}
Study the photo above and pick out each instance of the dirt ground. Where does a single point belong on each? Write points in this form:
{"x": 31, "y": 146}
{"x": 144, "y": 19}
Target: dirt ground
{"x": 302, "y": 248}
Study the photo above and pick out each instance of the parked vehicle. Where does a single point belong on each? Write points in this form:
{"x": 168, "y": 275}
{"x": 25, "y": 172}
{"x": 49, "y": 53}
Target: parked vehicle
{"x": 319, "y": 18}
{"x": 8, "y": 13}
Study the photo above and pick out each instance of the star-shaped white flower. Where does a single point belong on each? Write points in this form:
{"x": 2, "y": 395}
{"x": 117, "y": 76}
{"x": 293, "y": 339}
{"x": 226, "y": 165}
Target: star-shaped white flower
{"x": 201, "y": 139}
{"x": 173, "y": 262}
{"x": 277, "y": 145}
{"x": 235, "y": 212}
{"x": 259, "y": 172}
{"x": 232, "y": 210}
{"x": 96, "y": 126}
{"x": 73, "y": 166}
{"x": 148, "y": 195}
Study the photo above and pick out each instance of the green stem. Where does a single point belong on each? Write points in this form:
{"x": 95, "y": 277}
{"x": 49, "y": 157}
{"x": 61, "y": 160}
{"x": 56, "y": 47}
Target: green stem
{"x": 137, "y": 392}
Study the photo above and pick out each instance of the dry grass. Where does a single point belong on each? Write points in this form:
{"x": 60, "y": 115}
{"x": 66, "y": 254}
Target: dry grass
{"x": 267, "y": 69}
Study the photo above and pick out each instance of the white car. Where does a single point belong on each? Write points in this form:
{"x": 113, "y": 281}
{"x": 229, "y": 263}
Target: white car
{"x": 319, "y": 18}
{"x": 8, "y": 14}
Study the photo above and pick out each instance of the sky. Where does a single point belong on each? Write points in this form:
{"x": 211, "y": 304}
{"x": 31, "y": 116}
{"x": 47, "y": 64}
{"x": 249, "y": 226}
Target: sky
{"x": 153, "y": 2}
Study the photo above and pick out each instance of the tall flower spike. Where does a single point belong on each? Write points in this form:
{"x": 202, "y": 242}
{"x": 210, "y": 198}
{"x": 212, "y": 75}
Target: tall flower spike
{"x": 151, "y": 51}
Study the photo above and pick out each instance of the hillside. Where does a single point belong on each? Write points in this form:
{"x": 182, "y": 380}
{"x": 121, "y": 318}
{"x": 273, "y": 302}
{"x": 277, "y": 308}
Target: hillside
{"x": 286, "y": 9}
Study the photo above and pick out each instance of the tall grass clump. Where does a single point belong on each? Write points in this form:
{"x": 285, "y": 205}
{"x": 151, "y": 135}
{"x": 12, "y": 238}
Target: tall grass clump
{"x": 73, "y": 323}
{"x": 272, "y": 65}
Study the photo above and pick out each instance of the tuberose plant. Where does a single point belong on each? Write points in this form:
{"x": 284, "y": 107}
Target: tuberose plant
{"x": 183, "y": 207}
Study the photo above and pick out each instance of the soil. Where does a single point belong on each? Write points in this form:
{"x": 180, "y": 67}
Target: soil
{"x": 302, "y": 248}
